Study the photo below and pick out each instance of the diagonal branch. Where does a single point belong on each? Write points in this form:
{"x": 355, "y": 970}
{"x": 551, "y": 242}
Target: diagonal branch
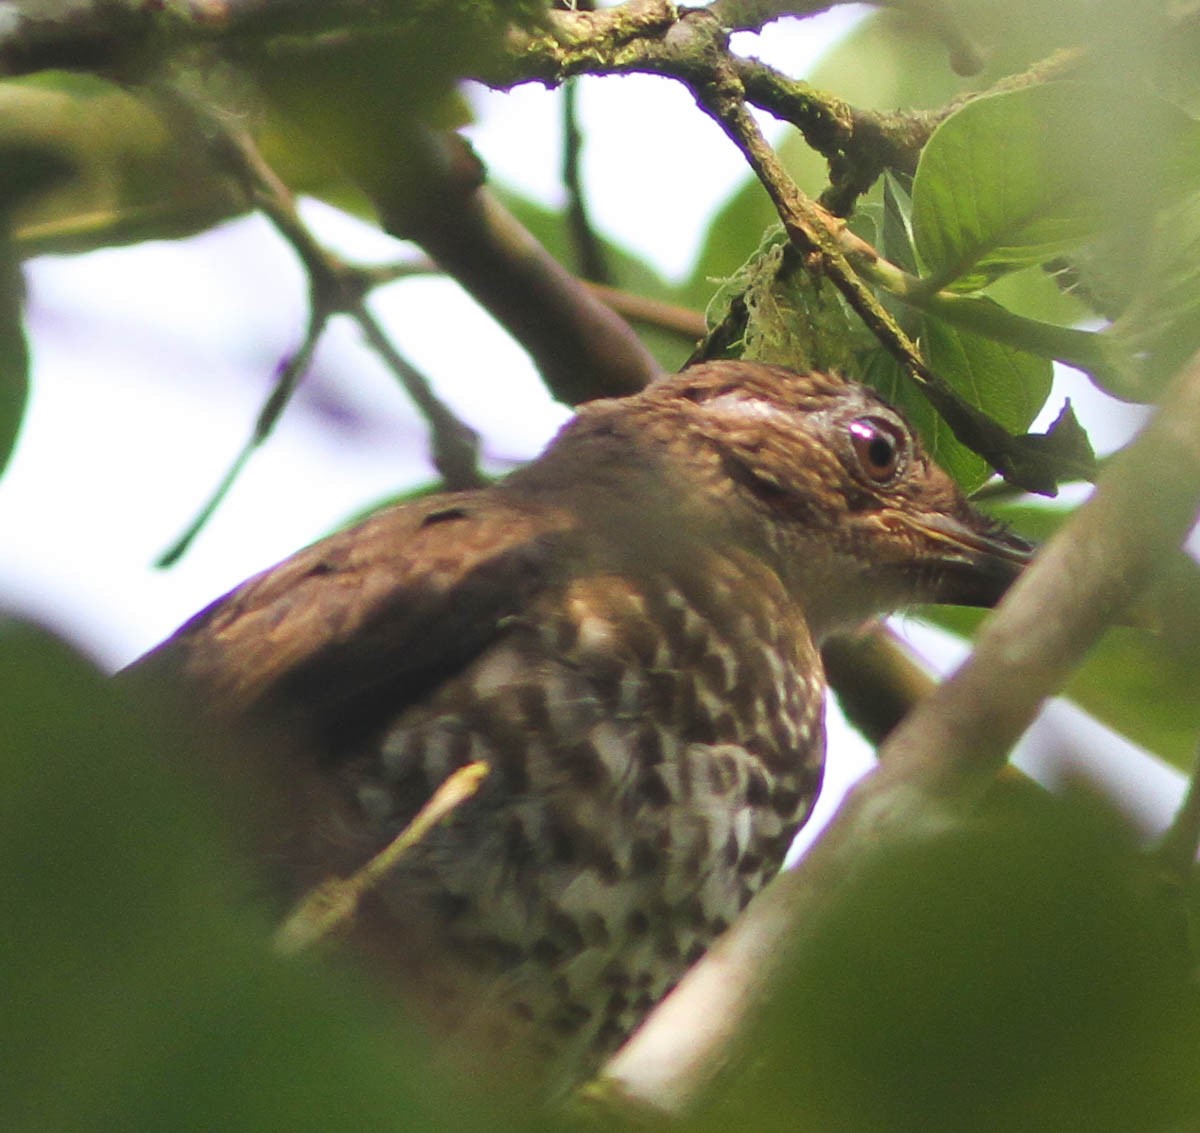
{"x": 941, "y": 760}
{"x": 582, "y": 348}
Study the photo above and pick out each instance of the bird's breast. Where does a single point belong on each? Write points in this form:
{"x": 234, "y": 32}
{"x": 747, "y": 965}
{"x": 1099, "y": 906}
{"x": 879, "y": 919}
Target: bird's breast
{"x": 654, "y": 746}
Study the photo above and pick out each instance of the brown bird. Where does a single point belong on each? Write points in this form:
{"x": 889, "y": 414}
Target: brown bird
{"x": 626, "y": 632}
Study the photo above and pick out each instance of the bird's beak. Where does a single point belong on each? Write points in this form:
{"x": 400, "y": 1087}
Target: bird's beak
{"x": 975, "y": 561}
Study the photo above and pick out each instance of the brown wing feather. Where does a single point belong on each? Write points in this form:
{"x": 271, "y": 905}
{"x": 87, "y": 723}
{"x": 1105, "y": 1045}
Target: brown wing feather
{"x": 350, "y": 631}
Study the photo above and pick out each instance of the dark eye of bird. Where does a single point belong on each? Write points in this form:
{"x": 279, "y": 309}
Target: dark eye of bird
{"x": 879, "y": 447}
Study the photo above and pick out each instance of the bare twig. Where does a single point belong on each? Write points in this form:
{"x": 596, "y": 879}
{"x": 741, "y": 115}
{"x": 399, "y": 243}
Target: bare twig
{"x": 290, "y": 374}
{"x": 334, "y": 287}
{"x": 589, "y": 251}
{"x": 682, "y": 321}
{"x": 332, "y": 905}
{"x": 947, "y": 752}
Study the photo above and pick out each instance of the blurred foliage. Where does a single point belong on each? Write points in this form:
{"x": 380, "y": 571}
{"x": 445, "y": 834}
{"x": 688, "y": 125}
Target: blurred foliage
{"x": 27, "y": 170}
{"x": 1026, "y": 971}
{"x": 137, "y": 989}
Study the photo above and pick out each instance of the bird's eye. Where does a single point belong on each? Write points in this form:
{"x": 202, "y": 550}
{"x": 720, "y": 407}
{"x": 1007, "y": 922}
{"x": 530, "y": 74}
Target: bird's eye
{"x": 879, "y": 446}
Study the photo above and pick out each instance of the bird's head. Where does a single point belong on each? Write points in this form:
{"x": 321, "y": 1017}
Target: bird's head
{"x": 829, "y": 482}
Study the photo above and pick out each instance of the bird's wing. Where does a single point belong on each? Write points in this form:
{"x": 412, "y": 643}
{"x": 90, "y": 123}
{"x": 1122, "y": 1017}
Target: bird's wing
{"x": 353, "y": 629}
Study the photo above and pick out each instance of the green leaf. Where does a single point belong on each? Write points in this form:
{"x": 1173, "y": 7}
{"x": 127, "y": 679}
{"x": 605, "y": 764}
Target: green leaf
{"x": 28, "y": 170}
{"x": 1018, "y": 178}
{"x": 736, "y": 229}
{"x": 137, "y": 987}
{"x": 1009, "y": 385}
{"x": 133, "y": 180}
{"x": 897, "y": 239}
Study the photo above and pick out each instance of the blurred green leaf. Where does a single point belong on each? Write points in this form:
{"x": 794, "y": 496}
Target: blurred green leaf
{"x": 353, "y": 104}
{"x": 1160, "y": 319}
{"x": 1026, "y": 971}
{"x": 1018, "y": 178}
{"x": 132, "y": 179}
{"x": 137, "y": 988}
{"x": 1032, "y": 293}
{"x": 28, "y": 171}
{"x": 735, "y": 231}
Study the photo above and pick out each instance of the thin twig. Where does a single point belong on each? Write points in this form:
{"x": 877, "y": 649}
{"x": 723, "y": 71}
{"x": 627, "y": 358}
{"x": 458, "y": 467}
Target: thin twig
{"x": 334, "y": 287}
{"x": 455, "y": 444}
{"x": 331, "y": 906}
{"x": 682, "y": 321}
{"x": 290, "y": 374}
{"x": 589, "y": 251}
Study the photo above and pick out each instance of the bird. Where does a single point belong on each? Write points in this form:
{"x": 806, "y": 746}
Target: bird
{"x": 625, "y": 632}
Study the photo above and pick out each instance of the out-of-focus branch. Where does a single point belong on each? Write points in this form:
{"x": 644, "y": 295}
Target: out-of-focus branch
{"x": 589, "y": 251}
{"x": 876, "y": 678}
{"x": 582, "y": 348}
{"x": 947, "y": 752}
{"x": 682, "y": 321}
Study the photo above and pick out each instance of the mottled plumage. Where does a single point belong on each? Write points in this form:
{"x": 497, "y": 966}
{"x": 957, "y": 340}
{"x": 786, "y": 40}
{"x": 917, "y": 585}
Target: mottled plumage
{"x": 626, "y": 631}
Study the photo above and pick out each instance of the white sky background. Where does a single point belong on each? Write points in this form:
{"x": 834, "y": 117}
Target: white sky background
{"x": 151, "y": 362}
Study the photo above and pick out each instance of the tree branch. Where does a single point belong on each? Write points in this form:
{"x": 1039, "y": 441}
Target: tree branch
{"x": 942, "y": 759}
{"x": 582, "y": 348}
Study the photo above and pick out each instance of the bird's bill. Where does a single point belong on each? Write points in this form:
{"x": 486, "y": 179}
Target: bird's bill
{"x": 975, "y": 560}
